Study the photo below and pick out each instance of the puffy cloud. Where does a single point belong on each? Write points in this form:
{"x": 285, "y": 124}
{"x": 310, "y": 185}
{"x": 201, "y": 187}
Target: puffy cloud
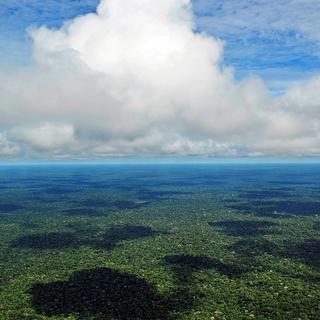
{"x": 7, "y": 149}
{"x": 46, "y": 137}
{"x": 135, "y": 78}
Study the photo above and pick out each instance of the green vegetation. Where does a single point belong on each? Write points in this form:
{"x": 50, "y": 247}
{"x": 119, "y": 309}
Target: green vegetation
{"x": 159, "y": 243}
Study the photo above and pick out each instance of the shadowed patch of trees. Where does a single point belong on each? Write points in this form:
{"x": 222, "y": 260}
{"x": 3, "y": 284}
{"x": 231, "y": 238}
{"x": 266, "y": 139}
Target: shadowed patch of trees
{"x": 52, "y": 240}
{"x": 96, "y": 203}
{"x": 29, "y": 225}
{"x": 83, "y": 212}
{"x": 316, "y": 226}
{"x": 59, "y": 190}
{"x": 254, "y": 247}
{"x": 58, "y": 240}
{"x": 104, "y": 293}
{"x": 306, "y": 252}
{"x": 9, "y": 207}
{"x": 265, "y": 194}
{"x": 115, "y": 234}
{"x": 278, "y": 208}
{"x": 184, "y": 266}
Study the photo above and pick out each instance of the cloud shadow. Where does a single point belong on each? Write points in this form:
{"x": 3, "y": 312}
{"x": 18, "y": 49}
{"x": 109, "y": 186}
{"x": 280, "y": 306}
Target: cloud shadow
{"x": 103, "y": 293}
{"x": 52, "y": 240}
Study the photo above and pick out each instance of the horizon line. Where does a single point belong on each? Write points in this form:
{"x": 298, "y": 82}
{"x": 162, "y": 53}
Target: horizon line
{"x": 164, "y": 161}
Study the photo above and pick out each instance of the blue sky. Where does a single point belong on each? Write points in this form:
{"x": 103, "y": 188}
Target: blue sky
{"x": 16, "y": 16}
{"x": 279, "y": 40}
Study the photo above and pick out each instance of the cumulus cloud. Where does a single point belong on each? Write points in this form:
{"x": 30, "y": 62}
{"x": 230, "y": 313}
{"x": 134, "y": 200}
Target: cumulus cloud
{"x": 7, "y": 149}
{"x": 135, "y": 78}
{"x": 46, "y": 137}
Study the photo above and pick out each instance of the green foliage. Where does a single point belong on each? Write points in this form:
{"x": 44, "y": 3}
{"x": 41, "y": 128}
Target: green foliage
{"x": 125, "y": 245}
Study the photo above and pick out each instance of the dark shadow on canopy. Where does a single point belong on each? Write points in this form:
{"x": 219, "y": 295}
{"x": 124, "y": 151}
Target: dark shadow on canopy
{"x": 29, "y": 225}
{"x": 254, "y": 247}
{"x": 94, "y": 203}
{"x": 84, "y": 236}
{"x": 52, "y": 240}
{"x": 127, "y": 204}
{"x": 149, "y": 195}
{"x": 307, "y": 252}
{"x": 316, "y": 226}
{"x": 83, "y": 212}
{"x": 115, "y": 234}
{"x": 265, "y": 208}
{"x": 184, "y": 266}
{"x": 8, "y": 207}
{"x": 102, "y": 293}
{"x": 262, "y": 194}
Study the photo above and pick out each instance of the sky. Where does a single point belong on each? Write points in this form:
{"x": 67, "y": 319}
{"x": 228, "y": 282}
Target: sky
{"x": 82, "y": 79}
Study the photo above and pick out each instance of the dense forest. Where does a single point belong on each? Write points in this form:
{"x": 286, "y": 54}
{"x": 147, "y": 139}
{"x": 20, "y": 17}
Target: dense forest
{"x": 205, "y": 242}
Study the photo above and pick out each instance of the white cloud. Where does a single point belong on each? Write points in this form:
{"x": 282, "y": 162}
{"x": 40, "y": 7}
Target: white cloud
{"x": 7, "y": 149}
{"x": 136, "y": 79}
{"x": 46, "y": 137}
